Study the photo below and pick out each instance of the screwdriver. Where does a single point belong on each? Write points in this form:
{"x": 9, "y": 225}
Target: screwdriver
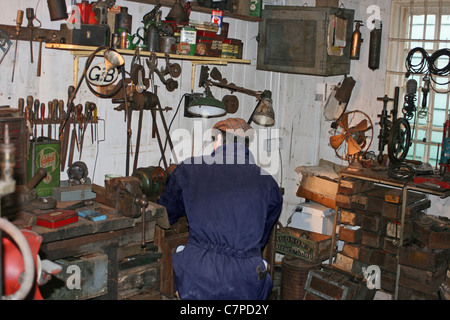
{"x": 19, "y": 20}
{"x": 35, "y": 116}
{"x": 30, "y": 18}
{"x": 49, "y": 127}
{"x": 92, "y": 107}
{"x": 42, "y": 118}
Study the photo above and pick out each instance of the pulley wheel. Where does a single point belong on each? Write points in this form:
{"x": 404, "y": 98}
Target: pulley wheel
{"x": 399, "y": 140}
{"x": 174, "y": 70}
{"x": 231, "y": 103}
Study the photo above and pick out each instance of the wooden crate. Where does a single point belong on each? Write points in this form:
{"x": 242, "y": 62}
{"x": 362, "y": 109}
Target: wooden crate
{"x": 318, "y": 189}
{"x": 372, "y": 239}
{"x": 351, "y": 234}
{"x": 307, "y": 245}
{"x": 371, "y": 200}
{"x": 350, "y": 185}
{"x": 333, "y": 285}
{"x": 390, "y": 245}
{"x": 352, "y": 250}
{"x": 343, "y": 200}
{"x": 349, "y": 264}
{"x": 433, "y": 232}
{"x": 422, "y": 258}
{"x": 371, "y": 256}
{"x": 394, "y": 211}
{"x": 373, "y": 223}
{"x": 351, "y": 218}
{"x": 424, "y": 281}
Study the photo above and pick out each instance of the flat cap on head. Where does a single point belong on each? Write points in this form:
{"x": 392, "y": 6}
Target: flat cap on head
{"x": 236, "y": 126}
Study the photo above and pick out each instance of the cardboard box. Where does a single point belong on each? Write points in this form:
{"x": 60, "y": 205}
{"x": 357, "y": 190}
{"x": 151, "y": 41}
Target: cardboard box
{"x": 303, "y": 244}
{"x": 312, "y": 216}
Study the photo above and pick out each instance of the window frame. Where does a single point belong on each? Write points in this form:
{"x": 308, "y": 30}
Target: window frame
{"x": 400, "y": 43}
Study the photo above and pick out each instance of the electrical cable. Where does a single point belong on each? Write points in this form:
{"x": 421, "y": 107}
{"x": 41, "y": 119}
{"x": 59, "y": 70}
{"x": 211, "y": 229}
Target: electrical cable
{"x": 421, "y": 67}
{"x": 440, "y": 72}
{"x": 428, "y": 66}
{"x": 403, "y": 172}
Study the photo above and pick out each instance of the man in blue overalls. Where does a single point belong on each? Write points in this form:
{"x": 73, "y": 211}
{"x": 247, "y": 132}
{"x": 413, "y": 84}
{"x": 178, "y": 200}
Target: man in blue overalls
{"x": 231, "y": 206}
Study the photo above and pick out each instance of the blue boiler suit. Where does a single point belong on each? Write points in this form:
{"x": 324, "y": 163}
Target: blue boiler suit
{"x": 230, "y": 209}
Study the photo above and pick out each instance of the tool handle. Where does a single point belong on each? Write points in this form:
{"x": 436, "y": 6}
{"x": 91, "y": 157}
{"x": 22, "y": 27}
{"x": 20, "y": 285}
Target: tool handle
{"x": 79, "y": 112}
{"x": 30, "y": 101}
{"x": 55, "y": 110}
{"x": 36, "y": 109}
{"x": 61, "y": 109}
{"x": 30, "y": 16}
{"x": 19, "y": 20}
{"x": 21, "y": 104}
{"x": 42, "y": 111}
{"x": 50, "y": 106}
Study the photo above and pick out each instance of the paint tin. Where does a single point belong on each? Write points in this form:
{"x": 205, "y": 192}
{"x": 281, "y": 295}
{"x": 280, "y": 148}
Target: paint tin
{"x": 189, "y": 35}
{"x": 217, "y": 18}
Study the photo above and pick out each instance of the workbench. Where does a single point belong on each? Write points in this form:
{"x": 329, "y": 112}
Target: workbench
{"x": 117, "y": 237}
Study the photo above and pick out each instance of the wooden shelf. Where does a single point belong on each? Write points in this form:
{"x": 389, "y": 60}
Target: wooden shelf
{"x": 197, "y": 8}
{"x": 79, "y": 50}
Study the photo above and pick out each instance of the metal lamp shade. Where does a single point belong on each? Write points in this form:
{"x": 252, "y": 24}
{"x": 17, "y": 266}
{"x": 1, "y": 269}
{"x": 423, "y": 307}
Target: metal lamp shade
{"x": 113, "y": 59}
{"x": 207, "y": 107}
{"x": 264, "y": 114}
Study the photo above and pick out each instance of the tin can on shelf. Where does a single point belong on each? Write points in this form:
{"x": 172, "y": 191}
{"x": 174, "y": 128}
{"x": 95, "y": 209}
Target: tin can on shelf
{"x": 217, "y": 18}
{"x": 123, "y": 39}
{"x": 189, "y": 35}
{"x": 115, "y": 41}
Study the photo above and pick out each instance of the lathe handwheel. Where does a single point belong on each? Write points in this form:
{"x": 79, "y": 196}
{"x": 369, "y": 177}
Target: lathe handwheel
{"x": 399, "y": 140}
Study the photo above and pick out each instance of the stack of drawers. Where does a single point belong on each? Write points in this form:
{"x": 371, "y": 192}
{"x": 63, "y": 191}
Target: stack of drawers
{"x": 370, "y": 217}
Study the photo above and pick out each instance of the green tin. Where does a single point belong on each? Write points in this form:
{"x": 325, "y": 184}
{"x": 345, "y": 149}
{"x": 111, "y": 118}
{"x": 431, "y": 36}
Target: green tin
{"x": 45, "y": 154}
